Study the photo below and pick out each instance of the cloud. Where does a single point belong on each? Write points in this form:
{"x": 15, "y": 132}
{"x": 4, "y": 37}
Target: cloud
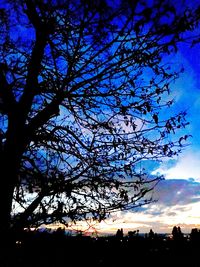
{"x": 181, "y": 192}
{"x": 178, "y": 203}
{"x": 185, "y": 216}
{"x": 187, "y": 166}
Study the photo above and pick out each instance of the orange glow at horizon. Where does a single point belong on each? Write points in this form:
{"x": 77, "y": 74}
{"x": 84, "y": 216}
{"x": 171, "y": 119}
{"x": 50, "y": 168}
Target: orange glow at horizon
{"x": 130, "y": 221}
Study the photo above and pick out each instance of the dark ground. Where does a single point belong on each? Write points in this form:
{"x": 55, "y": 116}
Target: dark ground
{"x": 34, "y": 249}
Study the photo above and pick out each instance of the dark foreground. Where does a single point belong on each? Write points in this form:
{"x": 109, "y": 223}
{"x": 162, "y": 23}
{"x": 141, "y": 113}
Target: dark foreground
{"x": 35, "y": 249}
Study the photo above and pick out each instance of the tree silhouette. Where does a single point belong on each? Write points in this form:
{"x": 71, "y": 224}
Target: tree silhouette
{"x": 83, "y": 87}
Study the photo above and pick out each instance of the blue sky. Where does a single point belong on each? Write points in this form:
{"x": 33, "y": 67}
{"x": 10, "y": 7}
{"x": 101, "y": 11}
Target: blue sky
{"x": 178, "y": 196}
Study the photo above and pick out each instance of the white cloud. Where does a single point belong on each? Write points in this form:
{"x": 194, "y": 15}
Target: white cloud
{"x": 185, "y": 216}
{"x": 178, "y": 204}
{"x": 187, "y": 166}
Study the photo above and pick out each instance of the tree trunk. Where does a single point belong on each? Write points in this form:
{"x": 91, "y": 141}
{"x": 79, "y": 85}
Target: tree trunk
{"x": 8, "y": 171}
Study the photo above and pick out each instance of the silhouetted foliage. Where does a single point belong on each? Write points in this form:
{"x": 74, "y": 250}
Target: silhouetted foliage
{"x": 195, "y": 235}
{"x": 83, "y": 88}
{"x": 119, "y": 234}
{"x": 177, "y": 233}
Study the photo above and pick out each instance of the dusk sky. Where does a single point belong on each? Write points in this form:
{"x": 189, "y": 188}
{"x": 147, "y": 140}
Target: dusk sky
{"x": 178, "y": 196}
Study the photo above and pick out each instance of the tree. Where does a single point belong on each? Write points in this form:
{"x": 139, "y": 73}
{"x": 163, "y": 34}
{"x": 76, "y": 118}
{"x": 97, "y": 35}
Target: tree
{"x": 83, "y": 87}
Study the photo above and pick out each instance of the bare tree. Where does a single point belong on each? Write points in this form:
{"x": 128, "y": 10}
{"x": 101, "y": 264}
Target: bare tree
{"x": 83, "y": 87}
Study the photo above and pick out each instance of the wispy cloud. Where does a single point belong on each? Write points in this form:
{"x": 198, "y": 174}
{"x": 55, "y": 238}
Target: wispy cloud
{"x": 178, "y": 203}
{"x": 186, "y": 166}
{"x": 185, "y": 216}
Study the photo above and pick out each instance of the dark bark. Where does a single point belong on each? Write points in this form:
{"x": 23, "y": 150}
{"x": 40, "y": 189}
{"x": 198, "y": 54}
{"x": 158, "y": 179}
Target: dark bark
{"x": 8, "y": 178}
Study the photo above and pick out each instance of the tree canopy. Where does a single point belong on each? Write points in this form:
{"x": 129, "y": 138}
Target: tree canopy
{"x": 84, "y": 100}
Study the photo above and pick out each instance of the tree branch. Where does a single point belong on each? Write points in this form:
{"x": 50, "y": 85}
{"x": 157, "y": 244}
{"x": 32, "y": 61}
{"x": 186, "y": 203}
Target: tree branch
{"x": 34, "y": 66}
{"x": 7, "y": 99}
